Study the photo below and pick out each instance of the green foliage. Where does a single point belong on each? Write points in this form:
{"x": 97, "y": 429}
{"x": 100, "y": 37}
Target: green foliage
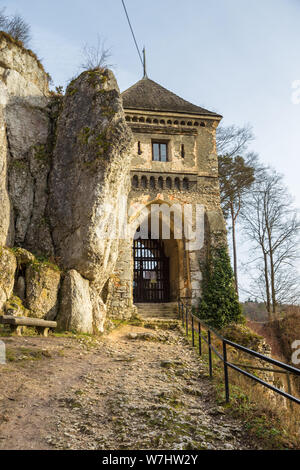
{"x": 236, "y": 177}
{"x": 219, "y": 305}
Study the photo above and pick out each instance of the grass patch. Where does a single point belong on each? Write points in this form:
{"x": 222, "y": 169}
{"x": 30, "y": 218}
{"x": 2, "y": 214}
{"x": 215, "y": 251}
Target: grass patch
{"x": 265, "y": 415}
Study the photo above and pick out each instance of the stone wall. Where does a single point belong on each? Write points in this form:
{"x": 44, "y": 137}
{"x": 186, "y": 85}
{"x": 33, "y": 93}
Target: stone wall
{"x": 189, "y": 180}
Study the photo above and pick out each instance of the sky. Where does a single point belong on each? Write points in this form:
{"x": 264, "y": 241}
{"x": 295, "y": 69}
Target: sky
{"x": 236, "y": 57}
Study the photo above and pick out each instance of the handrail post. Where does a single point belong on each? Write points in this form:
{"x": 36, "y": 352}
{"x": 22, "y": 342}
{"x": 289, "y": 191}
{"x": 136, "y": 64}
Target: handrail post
{"x": 209, "y": 353}
{"x": 193, "y": 332}
{"x": 226, "y": 372}
{"x": 200, "y": 339}
{"x": 187, "y": 320}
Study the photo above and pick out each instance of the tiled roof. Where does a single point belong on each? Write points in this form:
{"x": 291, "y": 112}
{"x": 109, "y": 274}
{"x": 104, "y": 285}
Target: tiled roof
{"x": 148, "y": 95}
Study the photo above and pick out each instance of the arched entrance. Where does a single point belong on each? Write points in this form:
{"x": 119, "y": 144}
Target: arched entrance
{"x": 151, "y": 281}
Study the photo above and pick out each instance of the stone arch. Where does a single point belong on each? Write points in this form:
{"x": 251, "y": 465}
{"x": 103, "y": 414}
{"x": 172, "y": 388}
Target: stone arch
{"x": 179, "y": 278}
{"x": 185, "y": 183}
{"x": 169, "y": 183}
{"x": 160, "y": 182}
{"x": 135, "y": 181}
{"x": 144, "y": 182}
{"x": 177, "y": 183}
{"x": 152, "y": 182}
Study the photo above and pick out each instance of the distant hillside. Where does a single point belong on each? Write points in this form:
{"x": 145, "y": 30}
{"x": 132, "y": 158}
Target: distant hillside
{"x": 255, "y": 311}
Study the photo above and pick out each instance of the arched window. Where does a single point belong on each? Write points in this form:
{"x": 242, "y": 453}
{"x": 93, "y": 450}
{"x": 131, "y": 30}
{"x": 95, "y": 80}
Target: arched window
{"x": 139, "y": 148}
{"x": 185, "y": 184}
{"x": 160, "y": 182}
{"x": 135, "y": 181}
{"x": 144, "y": 182}
{"x": 177, "y": 183}
{"x": 152, "y": 182}
{"x": 169, "y": 183}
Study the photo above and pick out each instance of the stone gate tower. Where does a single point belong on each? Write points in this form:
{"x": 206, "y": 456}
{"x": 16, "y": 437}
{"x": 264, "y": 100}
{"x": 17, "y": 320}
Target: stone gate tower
{"x": 174, "y": 161}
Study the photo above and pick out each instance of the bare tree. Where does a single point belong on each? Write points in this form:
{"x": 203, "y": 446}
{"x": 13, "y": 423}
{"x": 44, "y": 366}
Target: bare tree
{"x": 236, "y": 175}
{"x": 233, "y": 140}
{"x": 3, "y": 18}
{"x": 272, "y": 225}
{"x": 15, "y": 26}
{"x": 236, "y": 178}
{"x": 96, "y": 56}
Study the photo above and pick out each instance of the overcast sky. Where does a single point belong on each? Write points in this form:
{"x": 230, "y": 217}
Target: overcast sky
{"x": 236, "y": 57}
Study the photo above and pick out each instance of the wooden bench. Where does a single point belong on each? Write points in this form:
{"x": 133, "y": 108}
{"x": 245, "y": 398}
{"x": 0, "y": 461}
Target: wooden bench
{"x": 16, "y": 324}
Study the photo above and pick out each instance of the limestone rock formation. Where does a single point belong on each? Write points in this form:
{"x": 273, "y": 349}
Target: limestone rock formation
{"x": 8, "y": 265}
{"x": 24, "y": 130}
{"x": 42, "y": 287}
{"x": 76, "y": 311}
{"x": 90, "y": 175}
{"x": 64, "y": 167}
{"x": 99, "y": 309}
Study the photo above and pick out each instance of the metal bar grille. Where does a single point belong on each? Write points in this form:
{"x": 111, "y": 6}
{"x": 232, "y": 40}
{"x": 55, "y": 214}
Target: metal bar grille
{"x": 151, "y": 272}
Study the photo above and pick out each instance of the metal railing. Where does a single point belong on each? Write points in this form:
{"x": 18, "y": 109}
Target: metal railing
{"x": 198, "y": 325}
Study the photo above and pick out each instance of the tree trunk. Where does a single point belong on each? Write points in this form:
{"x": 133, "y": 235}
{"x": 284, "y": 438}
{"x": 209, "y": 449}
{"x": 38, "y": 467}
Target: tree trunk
{"x": 272, "y": 272}
{"x": 235, "y": 268}
{"x": 267, "y": 285}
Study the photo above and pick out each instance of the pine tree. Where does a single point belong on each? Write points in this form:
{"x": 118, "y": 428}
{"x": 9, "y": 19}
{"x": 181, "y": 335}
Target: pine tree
{"x": 219, "y": 305}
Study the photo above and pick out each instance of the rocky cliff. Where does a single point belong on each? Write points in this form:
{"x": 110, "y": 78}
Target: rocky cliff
{"x": 62, "y": 160}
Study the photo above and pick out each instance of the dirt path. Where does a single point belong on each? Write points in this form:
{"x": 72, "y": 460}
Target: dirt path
{"x": 136, "y": 389}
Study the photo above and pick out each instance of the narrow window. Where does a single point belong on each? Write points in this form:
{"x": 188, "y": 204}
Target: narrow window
{"x": 152, "y": 182}
{"x": 135, "y": 181}
{"x": 139, "y": 148}
{"x": 182, "y": 151}
{"x": 160, "y": 151}
{"x": 169, "y": 183}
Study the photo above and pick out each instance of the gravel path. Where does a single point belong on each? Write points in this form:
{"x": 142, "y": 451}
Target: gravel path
{"x": 138, "y": 388}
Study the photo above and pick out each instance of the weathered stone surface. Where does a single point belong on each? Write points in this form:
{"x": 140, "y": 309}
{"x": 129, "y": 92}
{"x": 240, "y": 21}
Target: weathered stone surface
{"x": 14, "y": 306}
{"x": 6, "y": 216}
{"x": 8, "y": 265}
{"x": 24, "y": 256}
{"x": 42, "y": 286}
{"x": 90, "y": 175}
{"x": 21, "y": 195}
{"x": 99, "y": 309}
{"x": 76, "y": 310}
{"x": 20, "y": 288}
{"x": 38, "y": 236}
{"x": 25, "y": 123}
